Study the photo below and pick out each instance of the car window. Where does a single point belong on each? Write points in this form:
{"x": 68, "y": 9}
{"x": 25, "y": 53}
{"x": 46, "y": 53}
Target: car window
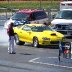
{"x": 20, "y": 16}
{"x": 26, "y": 28}
{"x": 39, "y": 15}
{"x": 64, "y": 15}
{"x": 40, "y": 28}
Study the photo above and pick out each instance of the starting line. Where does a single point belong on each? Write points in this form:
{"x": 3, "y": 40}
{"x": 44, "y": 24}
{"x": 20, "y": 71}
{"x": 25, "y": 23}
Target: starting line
{"x": 49, "y": 64}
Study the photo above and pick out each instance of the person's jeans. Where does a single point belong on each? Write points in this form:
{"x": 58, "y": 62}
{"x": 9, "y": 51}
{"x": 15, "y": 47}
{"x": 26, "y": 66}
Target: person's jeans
{"x": 11, "y": 47}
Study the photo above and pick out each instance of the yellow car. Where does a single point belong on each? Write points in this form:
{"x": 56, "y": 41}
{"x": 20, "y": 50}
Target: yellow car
{"x": 37, "y": 34}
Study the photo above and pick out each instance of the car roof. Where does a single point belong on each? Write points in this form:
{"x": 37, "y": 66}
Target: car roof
{"x": 35, "y": 24}
{"x": 66, "y": 2}
{"x": 29, "y": 11}
{"x": 66, "y": 9}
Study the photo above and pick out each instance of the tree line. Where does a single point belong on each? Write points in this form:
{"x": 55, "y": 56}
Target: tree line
{"x": 34, "y": 0}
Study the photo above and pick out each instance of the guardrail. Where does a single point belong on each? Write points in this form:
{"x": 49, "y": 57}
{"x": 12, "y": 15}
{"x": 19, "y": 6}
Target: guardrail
{"x": 6, "y": 13}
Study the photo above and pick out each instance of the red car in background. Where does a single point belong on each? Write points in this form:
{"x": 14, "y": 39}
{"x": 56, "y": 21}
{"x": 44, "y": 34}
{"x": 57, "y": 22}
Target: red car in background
{"x": 27, "y": 16}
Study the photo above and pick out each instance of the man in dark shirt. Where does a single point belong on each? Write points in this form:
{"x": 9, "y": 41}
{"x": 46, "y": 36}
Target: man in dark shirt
{"x": 10, "y": 33}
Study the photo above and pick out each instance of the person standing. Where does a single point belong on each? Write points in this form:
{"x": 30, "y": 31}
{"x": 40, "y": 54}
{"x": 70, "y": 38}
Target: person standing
{"x": 10, "y": 32}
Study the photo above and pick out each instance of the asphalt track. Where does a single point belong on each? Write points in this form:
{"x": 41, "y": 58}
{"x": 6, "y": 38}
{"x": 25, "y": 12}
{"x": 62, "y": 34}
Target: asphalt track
{"x": 29, "y": 59}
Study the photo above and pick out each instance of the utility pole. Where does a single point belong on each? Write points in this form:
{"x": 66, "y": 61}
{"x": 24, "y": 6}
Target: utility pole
{"x": 8, "y": 4}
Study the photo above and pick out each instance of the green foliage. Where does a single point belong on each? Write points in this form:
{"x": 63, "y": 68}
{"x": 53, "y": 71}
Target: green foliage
{"x": 29, "y": 4}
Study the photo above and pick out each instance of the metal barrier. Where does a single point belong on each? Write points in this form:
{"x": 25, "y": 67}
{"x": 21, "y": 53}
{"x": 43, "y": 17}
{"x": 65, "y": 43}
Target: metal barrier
{"x": 5, "y": 13}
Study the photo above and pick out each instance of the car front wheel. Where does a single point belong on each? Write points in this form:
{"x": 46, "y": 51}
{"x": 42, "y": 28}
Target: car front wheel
{"x": 35, "y": 42}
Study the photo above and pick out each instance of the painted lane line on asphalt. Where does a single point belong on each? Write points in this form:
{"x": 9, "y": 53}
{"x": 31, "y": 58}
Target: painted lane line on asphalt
{"x": 53, "y": 65}
{"x": 32, "y": 60}
{"x": 52, "y": 57}
{"x": 62, "y": 66}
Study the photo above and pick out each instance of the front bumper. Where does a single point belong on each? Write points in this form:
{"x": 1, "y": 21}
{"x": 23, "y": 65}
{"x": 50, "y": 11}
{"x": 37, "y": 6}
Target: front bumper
{"x": 65, "y": 32}
{"x": 50, "y": 42}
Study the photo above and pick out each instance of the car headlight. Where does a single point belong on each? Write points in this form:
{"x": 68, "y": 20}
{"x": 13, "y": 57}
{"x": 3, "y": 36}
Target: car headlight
{"x": 45, "y": 38}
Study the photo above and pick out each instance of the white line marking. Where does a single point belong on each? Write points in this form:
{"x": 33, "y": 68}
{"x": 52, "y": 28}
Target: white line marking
{"x": 52, "y": 64}
{"x": 52, "y": 57}
{"x": 33, "y": 61}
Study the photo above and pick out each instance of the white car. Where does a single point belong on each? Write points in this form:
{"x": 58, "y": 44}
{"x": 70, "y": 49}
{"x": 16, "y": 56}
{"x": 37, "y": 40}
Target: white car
{"x": 27, "y": 16}
{"x": 63, "y": 22}
{"x": 65, "y": 5}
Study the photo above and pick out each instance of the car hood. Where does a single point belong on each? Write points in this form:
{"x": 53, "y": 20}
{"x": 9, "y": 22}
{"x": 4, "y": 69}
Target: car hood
{"x": 61, "y": 21}
{"x": 50, "y": 34}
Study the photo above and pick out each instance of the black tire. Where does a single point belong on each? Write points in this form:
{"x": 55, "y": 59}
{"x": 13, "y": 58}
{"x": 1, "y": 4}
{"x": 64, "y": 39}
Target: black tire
{"x": 17, "y": 41}
{"x": 35, "y": 42}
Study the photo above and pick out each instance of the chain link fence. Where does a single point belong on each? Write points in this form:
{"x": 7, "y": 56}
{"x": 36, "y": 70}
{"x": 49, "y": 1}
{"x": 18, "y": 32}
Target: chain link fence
{"x": 6, "y": 14}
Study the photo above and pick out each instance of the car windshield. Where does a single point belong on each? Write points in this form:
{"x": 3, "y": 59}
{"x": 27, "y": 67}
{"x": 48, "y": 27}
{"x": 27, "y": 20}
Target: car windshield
{"x": 20, "y": 16}
{"x": 41, "y": 28}
{"x": 64, "y": 15}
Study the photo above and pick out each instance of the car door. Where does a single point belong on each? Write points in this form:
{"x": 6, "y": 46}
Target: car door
{"x": 26, "y": 33}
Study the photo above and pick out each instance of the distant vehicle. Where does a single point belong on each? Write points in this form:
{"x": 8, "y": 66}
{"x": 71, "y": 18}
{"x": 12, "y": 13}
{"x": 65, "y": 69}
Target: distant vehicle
{"x": 66, "y": 5}
{"x": 63, "y": 20}
{"x": 37, "y": 34}
{"x": 27, "y": 16}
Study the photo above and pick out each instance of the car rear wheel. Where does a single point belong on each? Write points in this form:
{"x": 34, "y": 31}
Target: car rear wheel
{"x": 35, "y": 42}
{"x": 17, "y": 41}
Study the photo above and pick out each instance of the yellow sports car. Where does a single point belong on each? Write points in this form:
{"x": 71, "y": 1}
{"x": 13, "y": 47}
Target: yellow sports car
{"x": 37, "y": 34}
